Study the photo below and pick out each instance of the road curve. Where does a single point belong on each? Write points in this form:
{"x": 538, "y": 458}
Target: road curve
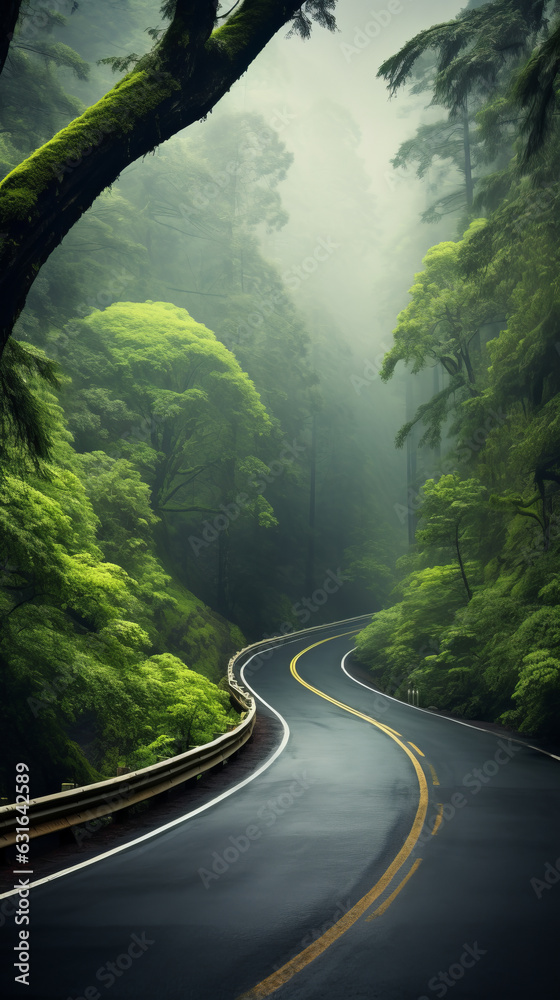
{"x": 384, "y": 853}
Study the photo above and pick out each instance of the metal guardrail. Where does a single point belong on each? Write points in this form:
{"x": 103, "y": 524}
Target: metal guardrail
{"x": 63, "y": 810}
{"x": 50, "y": 813}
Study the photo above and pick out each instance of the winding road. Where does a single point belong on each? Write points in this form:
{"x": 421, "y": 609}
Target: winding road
{"x": 380, "y": 852}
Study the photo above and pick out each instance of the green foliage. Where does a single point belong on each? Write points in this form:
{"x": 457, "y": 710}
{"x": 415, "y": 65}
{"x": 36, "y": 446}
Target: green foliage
{"x": 369, "y": 565}
{"x": 537, "y": 694}
{"x": 24, "y": 418}
{"x": 535, "y": 89}
{"x": 156, "y": 365}
{"x": 399, "y": 638}
{"x": 169, "y": 422}
{"x": 496, "y": 657}
{"x": 471, "y": 49}
{"x": 154, "y": 387}
{"x": 495, "y": 292}
{"x": 86, "y": 612}
{"x": 182, "y": 708}
{"x": 449, "y": 514}
{"x": 445, "y": 315}
{"x": 193, "y": 632}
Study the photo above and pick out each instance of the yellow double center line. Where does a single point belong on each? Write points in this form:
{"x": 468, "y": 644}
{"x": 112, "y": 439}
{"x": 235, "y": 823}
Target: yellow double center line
{"x": 296, "y": 964}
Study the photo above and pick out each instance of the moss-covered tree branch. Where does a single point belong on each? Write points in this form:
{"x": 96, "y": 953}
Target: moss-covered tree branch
{"x": 177, "y": 83}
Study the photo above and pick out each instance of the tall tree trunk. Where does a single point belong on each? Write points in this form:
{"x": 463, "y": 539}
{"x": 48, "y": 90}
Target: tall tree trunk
{"x": 8, "y": 19}
{"x": 436, "y": 387}
{"x": 310, "y": 563}
{"x": 411, "y": 453}
{"x": 467, "y": 150}
{"x": 222, "y": 597}
{"x": 470, "y": 370}
{"x": 540, "y": 481}
{"x": 462, "y": 568}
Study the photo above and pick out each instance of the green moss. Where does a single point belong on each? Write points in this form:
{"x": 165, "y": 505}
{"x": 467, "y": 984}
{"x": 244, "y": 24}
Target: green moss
{"x": 118, "y": 111}
{"x": 232, "y": 36}
{"x": 199, "y": 636}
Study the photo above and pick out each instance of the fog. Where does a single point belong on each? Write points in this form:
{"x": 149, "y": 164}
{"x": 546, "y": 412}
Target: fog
{"x": 197, "y": 449}
{"x": 353, "y": 238}
{"x": 324, "y": 99}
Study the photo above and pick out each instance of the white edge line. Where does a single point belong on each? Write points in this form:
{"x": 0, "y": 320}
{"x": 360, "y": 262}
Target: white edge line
{"x": 208, "y": 805}
{"x": 457, "y": 722}
{"x": 181, "y": 819}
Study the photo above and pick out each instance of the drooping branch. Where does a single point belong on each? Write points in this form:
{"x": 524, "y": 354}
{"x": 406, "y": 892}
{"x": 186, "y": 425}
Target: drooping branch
{"x": 535, "y": 90}
{"x": 179, "y": 82}
{"x": 469, "y": 49}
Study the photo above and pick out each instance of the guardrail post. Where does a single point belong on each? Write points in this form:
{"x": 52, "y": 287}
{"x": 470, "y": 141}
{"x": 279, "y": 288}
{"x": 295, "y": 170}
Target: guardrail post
{"x": 66, "y": 835}
{"x": 120, "y": 815}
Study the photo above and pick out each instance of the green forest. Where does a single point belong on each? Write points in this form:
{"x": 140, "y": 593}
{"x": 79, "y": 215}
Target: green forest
{"x": 190, "y": 447}
{"x": 474, "y": 621}
{"x": 161, "y": 474}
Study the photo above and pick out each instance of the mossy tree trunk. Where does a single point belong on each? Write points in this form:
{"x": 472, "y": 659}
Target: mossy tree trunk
{"x": 8, "y": 18}
{"x": 174, "y": 85}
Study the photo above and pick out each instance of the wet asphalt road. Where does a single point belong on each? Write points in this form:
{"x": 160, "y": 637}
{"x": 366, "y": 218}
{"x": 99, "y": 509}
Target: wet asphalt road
{"x": 216, "y": 905}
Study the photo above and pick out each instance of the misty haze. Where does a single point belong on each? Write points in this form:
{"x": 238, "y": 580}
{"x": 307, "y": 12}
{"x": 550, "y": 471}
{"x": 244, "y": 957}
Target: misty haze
{"x": 279, "y": 527}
